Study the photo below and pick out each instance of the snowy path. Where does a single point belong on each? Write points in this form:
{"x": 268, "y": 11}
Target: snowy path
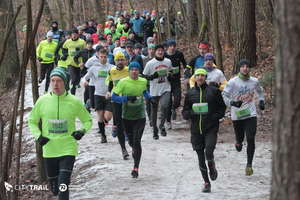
{"x": 168, "y": 171}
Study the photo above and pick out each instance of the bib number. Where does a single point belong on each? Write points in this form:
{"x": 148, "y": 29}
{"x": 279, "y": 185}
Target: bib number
{"x": 175, "y": 70}
{"x": 162, "y": 72}
{"x": 58, "y": 126}
{"x": 102, "y": 73}
{"x": 200, "y": 108}
{"x": 243, "y": 113}
{"x": 48, "y": 55}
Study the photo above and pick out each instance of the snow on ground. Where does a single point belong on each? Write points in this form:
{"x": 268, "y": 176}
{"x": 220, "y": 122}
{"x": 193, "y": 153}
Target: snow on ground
{"x": 168, "y": 171}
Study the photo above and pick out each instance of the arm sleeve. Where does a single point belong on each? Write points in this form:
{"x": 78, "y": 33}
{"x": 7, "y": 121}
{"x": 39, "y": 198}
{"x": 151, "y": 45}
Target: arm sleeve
{"x": 119, "y": 99}
{"x": 84, "y": 117}
{"x": 33, "y": 121}
{"x": 110, "y": 86}
{"x": 220, "y": 105}
{"x": 186, "y": 111}
{"x": 38, "y": 51}
{"x": 146, "y": 94}
{"x": 227, "y": 96}
{"x": 89, "y": 74}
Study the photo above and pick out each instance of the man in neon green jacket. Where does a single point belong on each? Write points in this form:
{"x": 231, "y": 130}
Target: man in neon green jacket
{"x": 45, "y": 54}
{"x": 58, "y": 136}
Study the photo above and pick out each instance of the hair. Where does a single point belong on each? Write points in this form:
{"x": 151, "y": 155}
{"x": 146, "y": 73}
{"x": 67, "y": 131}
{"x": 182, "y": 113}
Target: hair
{"x": 103, "y": 51}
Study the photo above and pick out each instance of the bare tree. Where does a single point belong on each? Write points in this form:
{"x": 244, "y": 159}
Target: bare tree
{"x": 9, "y": 68}
{"x": 245, "y": 43}
{"x": 286, "y": 137}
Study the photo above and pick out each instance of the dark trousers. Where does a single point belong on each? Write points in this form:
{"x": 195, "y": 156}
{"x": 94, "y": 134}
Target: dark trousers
{"x": 204, "y": 144}
{"x": 45, "y": 72}
{"x": 163, "y": 101}
{"x": 134, "y": 130}
{"x": 175, "y": 98}
{"x": 248, "y": 127}
{"x": 117, "y": 118}
{"x": 75, "y": 77}
{"x": 59, "y": 171}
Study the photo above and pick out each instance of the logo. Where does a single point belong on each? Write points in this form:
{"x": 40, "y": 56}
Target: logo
{"x": 8, "y": 187}
{"x": 63, "y": 187}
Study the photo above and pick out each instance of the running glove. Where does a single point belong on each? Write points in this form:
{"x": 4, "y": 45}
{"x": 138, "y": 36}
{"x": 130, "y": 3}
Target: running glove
{"x": 40, "y": 59}
{"x": 237, "y": 104}
{"x": 131, "y": 98}
{"x": 261, "y": 105}
{"x": 151, "y": 77}
{"x": 42, "y": 140}
{"x": 78, "y": 134}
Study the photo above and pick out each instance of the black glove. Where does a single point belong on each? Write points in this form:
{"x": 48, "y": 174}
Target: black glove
{"x": 215, "y": 84}
{"x": 42, "y": 140}
{"x": 153, "y": 101}
{"x": 40, "y": 59}
{"x": 261, "y": 105}
{"x": 237, "y": 104}
{"x": 187, "y": 73}
{"x": 131, "y": 98}
{"x": 78, "y": 134}
{"x": 64, "y": 57}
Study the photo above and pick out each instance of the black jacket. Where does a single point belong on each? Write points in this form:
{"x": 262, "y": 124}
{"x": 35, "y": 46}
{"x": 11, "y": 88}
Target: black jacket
{"x": 216, "y": 108}
{"x": 176, "y": 59}
{"x": 148, "y": 27}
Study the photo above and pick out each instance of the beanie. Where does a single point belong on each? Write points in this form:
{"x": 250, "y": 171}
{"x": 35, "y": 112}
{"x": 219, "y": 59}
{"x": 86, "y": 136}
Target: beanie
{"x": 171, "y": 42}
{"x": 200, "y": 71}
{"x": 119, "y": 55}
{"x": 244, "y": 62}
{"x": 60, "y": 72}
{"x": 209, "y": 56}
{"x": 134, "y": 64}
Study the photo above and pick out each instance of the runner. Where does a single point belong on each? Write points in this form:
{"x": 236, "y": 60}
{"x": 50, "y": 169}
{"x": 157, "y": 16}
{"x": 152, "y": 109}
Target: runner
{"x": 130, "y": 92}
{"x": 177, "y": 59}
{"x": 115, "y": 74}
{"x": 157, "y": 72}
{"x": 45, "y": 54}
{"x": 203, "y": 104}
{"x": 70, "y": 48}
{"x": 58, "y": 111}
{"x": 214, "y": 76}
{"x": 57, "y": 33}
{"x": 239, "y": 96}
{"x": 98, "y": 69}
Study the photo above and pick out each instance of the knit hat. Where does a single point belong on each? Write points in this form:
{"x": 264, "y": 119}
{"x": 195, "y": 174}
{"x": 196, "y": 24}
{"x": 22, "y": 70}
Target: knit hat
{"x": 203, "y": 45}
{"x": 171, "y": 42}
{"x": 123, "y": 38}
{"x": 209, "y": 56}
{"x": 151, "y": 46}
{"x": 75, "y": 30}
{"x": 49, "y": 34}
{"x": 119, "y": 55}
{"x": 60, "y": 72}
{"x": 244, "y": 62}
{"x": 134, "y": 64}
{"x": 138, "y": 46}
{"x": 200, "y": 71}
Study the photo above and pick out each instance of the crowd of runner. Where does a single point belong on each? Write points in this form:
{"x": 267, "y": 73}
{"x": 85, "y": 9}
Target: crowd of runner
{"x": 127, "y": 77}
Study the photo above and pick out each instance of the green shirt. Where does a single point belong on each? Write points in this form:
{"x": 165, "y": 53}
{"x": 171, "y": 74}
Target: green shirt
{"x": 46, "y": 51}
{"x": 129, "y": 87}
{"x": 73, "y": 47}
{"x": 58, "y": 115}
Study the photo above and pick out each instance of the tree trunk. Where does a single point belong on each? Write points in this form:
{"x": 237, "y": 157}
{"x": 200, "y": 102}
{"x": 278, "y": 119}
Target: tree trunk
{"x": 286, "y": 137}
{"x": 215, "y": 30}
{"x": 99, "y": 9}
{"x": 245, "y": 44}
{"x": 168, "y": 20}
{"x": 69, "y": 10}
{"x": 203, "y": 29}
{"x": 60, "y": 7}
{"x": 192, "y": 18}
{"x": 226, "y": 7}
{"x": 48, "y": 13}
{"x": 9, "y": 68}
{"x": 130, "y": 4}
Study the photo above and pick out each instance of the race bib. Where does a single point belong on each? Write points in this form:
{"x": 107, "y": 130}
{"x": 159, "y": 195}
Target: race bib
{"x": 243, "y": 113}
{"x": 102, "y": 73}
{"x": 57, "y": 126}
{"x": 162, "y": 72}
{"x": 200, "y": 108}
{"x": 48, "y": 55}
{"x": 162, "y": 79}
{"x": 73, "y": 53}
{"x": 175, "y": 70}
{"x": 136, "y": 103}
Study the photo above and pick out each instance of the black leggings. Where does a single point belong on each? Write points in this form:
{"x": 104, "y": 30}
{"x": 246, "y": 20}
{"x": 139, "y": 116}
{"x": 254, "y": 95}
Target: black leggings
{"x": 117, "y": 120}
{"x": 134, "y": 130}
{"x": 175, "y": 99}
{"x": 92, "y": 95}
{"x": 75, "y": 78}
{"x": 59, "y": 171}
{"x": 248, "y": 127}
{"x": 45, "y": 72}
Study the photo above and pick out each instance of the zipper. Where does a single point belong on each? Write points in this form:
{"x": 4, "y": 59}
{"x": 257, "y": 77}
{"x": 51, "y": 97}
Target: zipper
{"x": 57, "y": 107}
{"x": 200, "y": 121}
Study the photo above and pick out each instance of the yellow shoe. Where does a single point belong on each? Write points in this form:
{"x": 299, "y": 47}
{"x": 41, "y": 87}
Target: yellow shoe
{"x": 249, "y": 171}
